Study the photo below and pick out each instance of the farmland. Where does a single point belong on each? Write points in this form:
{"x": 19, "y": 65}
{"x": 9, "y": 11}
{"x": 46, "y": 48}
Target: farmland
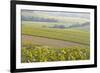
{"x": 77, "y": 36}
{"x": 47, "y": 38}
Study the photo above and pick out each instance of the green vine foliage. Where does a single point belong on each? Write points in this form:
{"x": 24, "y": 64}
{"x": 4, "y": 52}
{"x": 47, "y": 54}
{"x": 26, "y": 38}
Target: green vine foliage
{"x": 46, "y": 54}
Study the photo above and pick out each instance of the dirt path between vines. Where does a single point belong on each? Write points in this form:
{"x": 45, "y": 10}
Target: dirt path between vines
{"x": 48, "y": 42}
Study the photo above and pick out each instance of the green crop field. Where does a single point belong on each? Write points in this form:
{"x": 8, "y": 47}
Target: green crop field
{"x": 77, "y": 36}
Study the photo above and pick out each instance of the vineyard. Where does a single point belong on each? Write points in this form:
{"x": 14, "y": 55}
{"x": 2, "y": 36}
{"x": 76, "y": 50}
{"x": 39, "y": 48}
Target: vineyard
{"x": 54, "y": 36}
{"x": 39, "y": 53}
{"x": 32, "y": 52}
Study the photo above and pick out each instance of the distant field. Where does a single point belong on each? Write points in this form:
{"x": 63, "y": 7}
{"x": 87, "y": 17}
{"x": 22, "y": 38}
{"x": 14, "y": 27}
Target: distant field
{"x": 71, "y": 35}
